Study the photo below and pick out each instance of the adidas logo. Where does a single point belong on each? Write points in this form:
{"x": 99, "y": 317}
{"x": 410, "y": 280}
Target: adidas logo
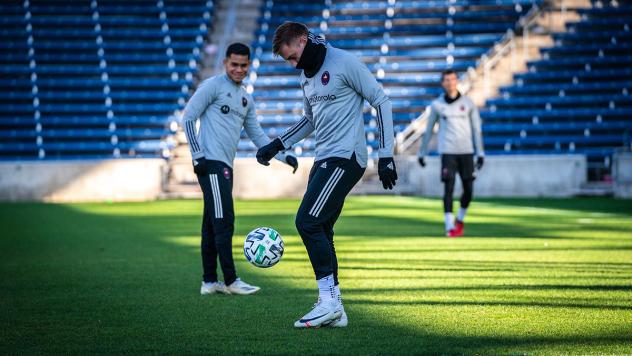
{"x": 324, "y": 165}
{"x": 390, "y": 166}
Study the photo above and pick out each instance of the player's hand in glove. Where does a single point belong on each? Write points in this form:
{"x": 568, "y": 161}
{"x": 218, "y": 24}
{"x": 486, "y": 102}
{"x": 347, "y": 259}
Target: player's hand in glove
{"x": 267, "y": 152}
{"x": 386, "y": 171}
{"x": 479, "y": 162}
{"x": 199, "y": 166}
{"x": 422, "y": 161}
{"x": 292, "y": 161}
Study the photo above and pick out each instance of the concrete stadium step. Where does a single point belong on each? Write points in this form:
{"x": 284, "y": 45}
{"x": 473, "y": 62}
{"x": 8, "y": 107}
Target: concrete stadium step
{"x": 596, "y": 189}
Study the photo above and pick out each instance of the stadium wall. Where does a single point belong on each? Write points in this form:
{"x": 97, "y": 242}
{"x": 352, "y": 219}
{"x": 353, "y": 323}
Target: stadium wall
{"x": 74, "y": 181}
{"x": 254, "y": 181}
{"x": 622, "y": 169}
{"x": 503, "y": 176}
{"x": 142, "y": 179}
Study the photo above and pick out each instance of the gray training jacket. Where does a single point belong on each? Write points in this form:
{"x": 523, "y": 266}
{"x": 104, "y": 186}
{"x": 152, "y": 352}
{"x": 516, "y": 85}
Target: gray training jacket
{"x": 459, "y": 127}
{"x": 223, "y": 107}
{"x": 333, "y": 100}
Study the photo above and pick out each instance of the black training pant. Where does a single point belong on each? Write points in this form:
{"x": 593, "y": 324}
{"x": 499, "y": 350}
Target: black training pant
{"x": 330, "y": 180}
{"x": 450, "y": 165}
{"x": 218, "y": 221}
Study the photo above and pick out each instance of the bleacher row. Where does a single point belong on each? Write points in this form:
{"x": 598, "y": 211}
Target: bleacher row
{"x": 576, "y": 99}
{"x": 104, "y": 78}
{"x": 96, "y": 79}
{"x": 406, "y": 44}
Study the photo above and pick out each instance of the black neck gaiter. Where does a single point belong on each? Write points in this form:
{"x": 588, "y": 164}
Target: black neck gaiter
{"x": 450, "y": 100}
{"x": 313, "y": 55}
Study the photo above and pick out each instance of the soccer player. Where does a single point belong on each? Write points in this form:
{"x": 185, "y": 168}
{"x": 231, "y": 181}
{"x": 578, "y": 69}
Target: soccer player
{"x": 459, "y": 134}
{"x": 335, "y": 84}
{"x": 223, "y": 107}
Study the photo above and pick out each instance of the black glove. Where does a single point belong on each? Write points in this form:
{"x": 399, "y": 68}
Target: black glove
{"x": 422, "y": 162}
{"x": 479, "y": 162}
{"x": 386, "y": 171}
{"x": 267, "y": 152}
{"x": 199, "y": 166}
{"x": 292, "y": 161}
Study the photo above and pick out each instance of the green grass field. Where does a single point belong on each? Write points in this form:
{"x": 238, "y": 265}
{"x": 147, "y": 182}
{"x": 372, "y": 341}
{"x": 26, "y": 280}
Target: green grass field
{"x": 533, "y": 276}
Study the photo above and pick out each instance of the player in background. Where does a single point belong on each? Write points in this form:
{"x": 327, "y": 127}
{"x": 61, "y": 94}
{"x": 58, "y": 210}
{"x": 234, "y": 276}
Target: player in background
{"x": 459, "y": 133}
{"x": 335, "y": 84}
{"x": 223, "y": 107}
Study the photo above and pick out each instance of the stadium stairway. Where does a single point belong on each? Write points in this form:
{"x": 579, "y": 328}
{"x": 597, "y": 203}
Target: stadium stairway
{"x": 406, "y": 44}
{"x": 234, "y": 21}
{"x": 575, "y": 99}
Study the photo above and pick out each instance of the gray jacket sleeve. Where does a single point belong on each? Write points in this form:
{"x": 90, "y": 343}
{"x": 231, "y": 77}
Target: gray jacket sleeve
{"x": 301, "y": 129}
{"x": 477, "y": 132}
{"x": 204, "y": 96}
{"x": 255, "y": 132}
{"x": 432, "y": 119}
{"x": 359, "y": 78}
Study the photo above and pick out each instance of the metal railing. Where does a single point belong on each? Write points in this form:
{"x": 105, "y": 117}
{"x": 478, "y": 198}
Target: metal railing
{"x": 485, "y": 64}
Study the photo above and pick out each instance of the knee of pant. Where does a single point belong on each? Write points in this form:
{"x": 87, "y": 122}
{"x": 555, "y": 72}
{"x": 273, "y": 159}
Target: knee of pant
{"x": 223, "y": 241}
{"x": 467, "y": 186}
{"x": 223, "y": 226}
{"x": 207, "y": 242}
{"x": 306, "y": 225}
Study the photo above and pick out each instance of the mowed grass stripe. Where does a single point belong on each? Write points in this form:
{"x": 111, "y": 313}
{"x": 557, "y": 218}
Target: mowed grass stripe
{"x": 543, "y": 276}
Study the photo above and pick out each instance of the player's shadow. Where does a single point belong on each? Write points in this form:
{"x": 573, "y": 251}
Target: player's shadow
{"x": 447, "y": 264}
{"x": 598, "y": 205}
{"x": 504, "y": 287}
{"x": 494, "y": 303}
{"x": 130, "y": 281}
{"x": 417, "y": 227}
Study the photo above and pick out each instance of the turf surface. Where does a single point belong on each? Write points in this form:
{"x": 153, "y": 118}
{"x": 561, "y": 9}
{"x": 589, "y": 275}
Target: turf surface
{"x": 532, "y": 277}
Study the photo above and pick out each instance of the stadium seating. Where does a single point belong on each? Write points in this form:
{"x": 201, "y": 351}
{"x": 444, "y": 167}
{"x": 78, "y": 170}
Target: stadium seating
{"x": 95, "y": 79}
{"x": 406, "y": 44}
{"x": 576, "y": 98}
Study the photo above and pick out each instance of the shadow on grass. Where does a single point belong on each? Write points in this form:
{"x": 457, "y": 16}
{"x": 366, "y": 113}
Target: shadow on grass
{"x": 488, "y": 303}
{"x": 587, "y": 204}
{"x": 507, "y": 287}
{"x": 111, "y": 284}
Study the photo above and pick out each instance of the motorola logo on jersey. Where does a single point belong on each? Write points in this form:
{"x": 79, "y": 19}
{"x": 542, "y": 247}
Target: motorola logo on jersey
{"x": 225, "y": 109}
{"x": 325, "y": 78}
{"x": 244, "y": 101}
{"x": 318, "y": 98}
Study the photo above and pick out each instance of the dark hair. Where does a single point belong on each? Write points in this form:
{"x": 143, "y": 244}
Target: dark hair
{"x": 447, "y": 72}
{"x": 239, "y": 49}
{"x": 287, "y": 32}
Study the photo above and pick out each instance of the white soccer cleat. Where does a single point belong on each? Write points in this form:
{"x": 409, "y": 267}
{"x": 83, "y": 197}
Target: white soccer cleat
{"x": 241, "y": 287}
{"x": 212, "y": 288}
{"x": 342, "y": 321}
{"x": 322, "y": 314}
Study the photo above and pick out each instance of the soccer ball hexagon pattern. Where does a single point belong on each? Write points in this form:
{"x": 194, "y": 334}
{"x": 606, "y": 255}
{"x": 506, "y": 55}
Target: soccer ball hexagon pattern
{"x": 263, "y": 247}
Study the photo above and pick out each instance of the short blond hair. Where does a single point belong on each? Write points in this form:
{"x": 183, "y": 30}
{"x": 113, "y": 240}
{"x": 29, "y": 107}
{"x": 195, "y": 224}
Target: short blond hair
{"x": 286, "y": 33}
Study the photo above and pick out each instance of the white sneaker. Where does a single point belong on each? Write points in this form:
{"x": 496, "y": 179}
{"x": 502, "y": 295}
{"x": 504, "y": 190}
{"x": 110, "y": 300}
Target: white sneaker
{"x": 321, "y": 314}
{"x": 212, "y": 288}
{"x": 342, "y": 321}
{"x": 241, "y": 287}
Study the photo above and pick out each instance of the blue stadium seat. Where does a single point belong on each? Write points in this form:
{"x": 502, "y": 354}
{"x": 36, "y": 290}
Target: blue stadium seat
{"x": 96, "y": 79}
{"x": 576, "y": 99}
{"x": 406, "y": 47}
